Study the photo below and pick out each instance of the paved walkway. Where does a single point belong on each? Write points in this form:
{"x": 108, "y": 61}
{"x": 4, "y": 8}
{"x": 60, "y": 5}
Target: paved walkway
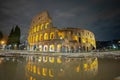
{"x": 87, "y": 54}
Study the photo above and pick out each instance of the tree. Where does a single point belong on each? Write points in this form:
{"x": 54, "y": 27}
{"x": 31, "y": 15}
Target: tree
{"x": 14, "y": 36}
{"x": 1, "y": 35}
{"x": 10, "y": 37}
{"x": 17, "y": 35}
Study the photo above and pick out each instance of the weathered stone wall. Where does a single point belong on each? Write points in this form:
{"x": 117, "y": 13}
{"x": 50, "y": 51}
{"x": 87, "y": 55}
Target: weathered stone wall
{"x": 44, "y": 37}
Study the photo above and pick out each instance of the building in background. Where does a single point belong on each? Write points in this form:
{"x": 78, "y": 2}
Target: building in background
{"x": 108, "y": 45}
{"x": 44, "y": 37}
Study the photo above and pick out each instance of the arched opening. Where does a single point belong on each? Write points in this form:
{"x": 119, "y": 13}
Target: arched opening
{"x": 87, "y": 49}
{"x": 46, "y": 25}
{"x": 46, "y": 36}
{"x": 45, "y": 48}
{"x": 35, "y": 28}
{"x": 41, "y": 26}
{"x": 52, "y": 48}
{"x": 38, "y": 28}
{"x": 40, "y": 47}
{"x": 40, "y": 37}
{"x": 59, "y": 47}
{"x": 75, "y": 38}
{"x": 37, "y": 38}
{"x": 52, "y": 35}
{"x": 61, "y": 35}
{"x": 33, "y": 39}
{"x": 83, "y": 41}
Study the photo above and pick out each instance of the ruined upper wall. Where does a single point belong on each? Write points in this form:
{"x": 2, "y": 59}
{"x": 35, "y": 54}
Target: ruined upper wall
{"x": 41, "y": 18}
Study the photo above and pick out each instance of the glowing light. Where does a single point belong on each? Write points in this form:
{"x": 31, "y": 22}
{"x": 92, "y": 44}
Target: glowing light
{"x": 86, "y": 67}
{"x": 94, "y": 64}
{"x": 40, "y": 59}
{"x": 46, "y": 36}
{"x": 31, "y": 78}
{"x": 51, "y": 73}
{"x": 34, "y": 79}
{"x": 46, "y": 25}
{"x": 118, "y": 41}
{"x": 38, "y": 28}
{"x": 35, "y": 29}
{"x": 59, "y": 60}
{"x": 41, "y": 26}
{"x": 113, "y": 46}
{"x": 61, "y": 69}
{"x": 40, "y": 37}
{"x": 45, "y": 48}
{"x": 83, "y": 40}
{"x": 34, "y": 69}
{"x": 45, "y": 59}
{"x": 75, "y": 38}
{"x": 44, "y": 71}
{"x": 37, "y": 38}
{"x": 52, "y": 47}
{"x": 61, "y": 38}
{"x": 51, "y": 59}
{"x": 58, "y": 47}
{"x": 78, "y": 68}
{"x": 2, "y": 42}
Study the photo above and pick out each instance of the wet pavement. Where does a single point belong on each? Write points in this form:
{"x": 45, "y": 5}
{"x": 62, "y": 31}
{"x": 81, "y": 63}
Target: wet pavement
{"x": 58, "y": 67}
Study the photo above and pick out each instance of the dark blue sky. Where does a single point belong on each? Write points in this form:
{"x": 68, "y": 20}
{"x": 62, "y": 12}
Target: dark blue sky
{"x": 100, "y": 16}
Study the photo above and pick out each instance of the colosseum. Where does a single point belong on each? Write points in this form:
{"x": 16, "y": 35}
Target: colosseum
{"x": 44, "y": 37}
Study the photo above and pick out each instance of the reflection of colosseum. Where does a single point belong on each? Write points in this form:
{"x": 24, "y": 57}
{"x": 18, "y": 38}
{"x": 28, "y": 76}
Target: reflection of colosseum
{"x": 43, "y": 36}
{"x": 58, "y": 67}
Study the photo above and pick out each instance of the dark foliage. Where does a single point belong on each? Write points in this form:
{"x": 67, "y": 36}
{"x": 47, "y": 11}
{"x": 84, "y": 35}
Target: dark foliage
{"x": 14, "y": 36}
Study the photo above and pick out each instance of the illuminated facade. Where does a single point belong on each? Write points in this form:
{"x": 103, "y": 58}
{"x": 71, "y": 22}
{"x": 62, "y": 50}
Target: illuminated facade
{"x": 44, "y": 37}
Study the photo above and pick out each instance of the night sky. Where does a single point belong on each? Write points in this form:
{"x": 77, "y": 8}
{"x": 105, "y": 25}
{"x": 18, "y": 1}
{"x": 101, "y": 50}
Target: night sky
{"x": 99, "y": 16}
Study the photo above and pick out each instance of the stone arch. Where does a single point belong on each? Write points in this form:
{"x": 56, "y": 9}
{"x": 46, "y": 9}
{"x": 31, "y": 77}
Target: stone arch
{"x": 61, "y": 35}
{"x": 52, "y": 35}
{"x": 41, "y": 27}
{"x": 52, "y": 48}
{"x": 40, "y": 47}
{"x": 41, "y": 37}
{"x": 59, "y": 48}
{"x": 35, "y": 28}
{"x": 38, "y": 28}
{"x": 45, "y": 48}
{"x": 46, "y": 36}
{"x": 46, "y": 25}
{"x": 37, "y": 38}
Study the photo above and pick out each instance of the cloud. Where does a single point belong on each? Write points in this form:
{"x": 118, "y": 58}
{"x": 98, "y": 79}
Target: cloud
{"x": 64, "y": 14}
{"x": 99, "y": 16}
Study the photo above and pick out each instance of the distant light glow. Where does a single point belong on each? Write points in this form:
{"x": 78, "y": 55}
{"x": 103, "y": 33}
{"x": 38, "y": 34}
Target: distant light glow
{"x": 2, "y": 42}
{"x": 118, "y": 41}
{"x": 114, "y": 46}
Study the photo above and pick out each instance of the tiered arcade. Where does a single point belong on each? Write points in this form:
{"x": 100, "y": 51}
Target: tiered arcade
{"x": 44, "y": 37}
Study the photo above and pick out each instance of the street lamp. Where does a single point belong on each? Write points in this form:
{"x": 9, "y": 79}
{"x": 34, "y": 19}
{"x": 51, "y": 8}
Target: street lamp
{"x": 2, "y": 42}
